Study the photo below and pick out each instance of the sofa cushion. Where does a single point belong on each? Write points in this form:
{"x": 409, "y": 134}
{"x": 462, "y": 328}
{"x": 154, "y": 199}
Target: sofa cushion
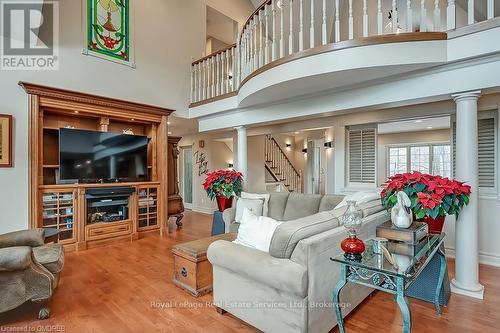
{"x": 287, "y": 235}
{"x": 284, "y": 275}
{"x": 371, "y": 207}
{"x": 51, "y": 256}
{"x": 329, "y": 202}
{"x": 277, "y": 204}
{"x": 256, "y": 206}
{"x": 265, "y": 196}
{"x": 301, "y": 205}
{"x": 256, "y": 231}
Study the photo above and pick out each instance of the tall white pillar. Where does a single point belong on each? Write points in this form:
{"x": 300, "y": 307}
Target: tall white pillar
{"x": 466, "y": 281}
{"x": 242, "y": 152}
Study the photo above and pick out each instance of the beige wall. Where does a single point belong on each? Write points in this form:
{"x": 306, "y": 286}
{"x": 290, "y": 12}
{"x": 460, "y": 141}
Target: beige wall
{"x": 386, "y": 140}
{"x": 217, "y": 155}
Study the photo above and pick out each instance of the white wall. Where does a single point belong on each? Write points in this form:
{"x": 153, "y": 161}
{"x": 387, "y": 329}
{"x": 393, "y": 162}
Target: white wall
{"x": 218, "y": 156}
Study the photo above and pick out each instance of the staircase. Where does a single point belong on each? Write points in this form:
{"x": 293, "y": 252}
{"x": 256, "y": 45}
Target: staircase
{"x": 280, "y": 167}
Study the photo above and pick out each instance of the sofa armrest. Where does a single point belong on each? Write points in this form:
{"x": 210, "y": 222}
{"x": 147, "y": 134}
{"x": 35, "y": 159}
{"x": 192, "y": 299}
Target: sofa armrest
{"x": 282, "y": 274}
{"x": 15, "y": 258}
{"x": 228, "y": 217}
{"x": 32, "y": 237}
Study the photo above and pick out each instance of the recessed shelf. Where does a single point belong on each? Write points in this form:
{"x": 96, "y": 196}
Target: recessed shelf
{"x": 51, "y": 166}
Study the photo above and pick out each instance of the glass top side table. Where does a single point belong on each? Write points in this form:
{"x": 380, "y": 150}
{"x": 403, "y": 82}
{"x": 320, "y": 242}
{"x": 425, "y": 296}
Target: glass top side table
{"x": 374, "y": 271}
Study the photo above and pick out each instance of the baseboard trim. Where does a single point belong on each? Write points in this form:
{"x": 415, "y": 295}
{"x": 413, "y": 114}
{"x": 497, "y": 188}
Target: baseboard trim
{"x": 484, "y": 258}
{"x": 204, "y": 210}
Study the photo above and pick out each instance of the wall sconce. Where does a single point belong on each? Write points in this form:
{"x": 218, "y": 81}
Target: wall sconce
{"x": 304, "y": 150}
{"x": 329, "y": 144}
{"x": 230, "y": 165}
{"x": 288, "y": 145}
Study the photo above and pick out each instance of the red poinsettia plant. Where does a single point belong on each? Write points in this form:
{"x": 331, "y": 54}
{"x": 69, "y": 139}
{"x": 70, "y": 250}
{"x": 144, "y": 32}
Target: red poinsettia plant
{"x": 223, "y": 183}
{"x": 431, "y": 196}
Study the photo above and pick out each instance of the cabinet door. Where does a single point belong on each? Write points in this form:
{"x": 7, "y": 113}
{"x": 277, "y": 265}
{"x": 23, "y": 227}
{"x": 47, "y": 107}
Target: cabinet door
{"x": 58, "y": 212}
{"x": 148, "y": 208}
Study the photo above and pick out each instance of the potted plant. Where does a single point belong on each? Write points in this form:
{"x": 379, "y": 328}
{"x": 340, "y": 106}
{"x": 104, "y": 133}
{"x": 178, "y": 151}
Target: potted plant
{"x": 432, "y": 197}
{"x": 223, "y": 185}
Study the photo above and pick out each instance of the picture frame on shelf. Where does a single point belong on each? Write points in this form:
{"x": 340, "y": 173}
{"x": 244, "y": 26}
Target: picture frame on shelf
{"x": 6, "y": 160}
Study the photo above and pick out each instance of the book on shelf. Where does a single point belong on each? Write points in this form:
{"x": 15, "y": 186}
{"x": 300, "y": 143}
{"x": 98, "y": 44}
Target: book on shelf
{"x": 411, "y": 235}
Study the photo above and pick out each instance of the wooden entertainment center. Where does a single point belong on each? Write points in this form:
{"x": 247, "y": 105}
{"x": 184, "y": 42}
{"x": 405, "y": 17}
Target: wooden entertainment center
{"x": 144, "y": 204}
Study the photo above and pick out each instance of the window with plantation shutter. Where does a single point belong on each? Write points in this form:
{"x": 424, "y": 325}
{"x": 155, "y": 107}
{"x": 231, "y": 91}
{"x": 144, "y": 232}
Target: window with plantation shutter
{"x": 361, "y": 154}
{"x": 486, "y": 152}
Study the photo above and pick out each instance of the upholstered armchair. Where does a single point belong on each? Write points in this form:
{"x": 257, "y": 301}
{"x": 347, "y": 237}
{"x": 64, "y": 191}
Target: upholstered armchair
{"x": 29, "y": 269}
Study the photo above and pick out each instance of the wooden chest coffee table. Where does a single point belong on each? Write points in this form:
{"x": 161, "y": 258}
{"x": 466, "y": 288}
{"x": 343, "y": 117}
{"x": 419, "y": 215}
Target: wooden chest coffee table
{"x": 192, "y": 270}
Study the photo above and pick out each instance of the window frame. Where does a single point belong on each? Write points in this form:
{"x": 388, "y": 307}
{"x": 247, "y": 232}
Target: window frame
{"x": 408, "y": 147}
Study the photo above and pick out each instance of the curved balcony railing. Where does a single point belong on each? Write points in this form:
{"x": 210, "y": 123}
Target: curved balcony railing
{"x": 280, "y": 28}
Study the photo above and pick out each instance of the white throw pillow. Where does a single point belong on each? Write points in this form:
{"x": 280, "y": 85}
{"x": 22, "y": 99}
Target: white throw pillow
{"x": 256, "y": 206}
{"x": 256, "y": 231}
{"x": 359, "y": 197}
{"x": 266, "y": 197}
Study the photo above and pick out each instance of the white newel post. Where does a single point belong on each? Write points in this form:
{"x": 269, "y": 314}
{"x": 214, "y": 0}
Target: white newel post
{"x": 466, "y": 281}
{"x": 242, "y": 155}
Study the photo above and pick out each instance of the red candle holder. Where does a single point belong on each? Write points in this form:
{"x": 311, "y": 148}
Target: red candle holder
{"x": 353, "y": 247}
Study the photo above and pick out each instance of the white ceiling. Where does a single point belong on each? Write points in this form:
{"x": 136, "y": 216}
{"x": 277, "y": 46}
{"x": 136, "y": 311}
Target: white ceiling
{"x": 414, "y": 125}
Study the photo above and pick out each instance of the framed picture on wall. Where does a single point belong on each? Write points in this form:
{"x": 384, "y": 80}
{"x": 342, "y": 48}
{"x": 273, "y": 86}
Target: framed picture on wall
{"x": 5, "y": 141}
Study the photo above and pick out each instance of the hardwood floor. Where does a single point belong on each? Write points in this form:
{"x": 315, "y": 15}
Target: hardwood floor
{"x": 127, "y": 287}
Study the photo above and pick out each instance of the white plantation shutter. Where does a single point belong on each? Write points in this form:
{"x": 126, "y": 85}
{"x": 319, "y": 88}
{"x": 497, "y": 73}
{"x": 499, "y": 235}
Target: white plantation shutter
{"x": 486, "y": 151}
{"x": 362, "y": 147}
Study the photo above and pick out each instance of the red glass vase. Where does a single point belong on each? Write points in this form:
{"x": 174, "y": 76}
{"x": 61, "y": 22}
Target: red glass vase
{"x": 224, "y": 203}
{"x": 435, "y": 225}
{"x": 353, "y": 247}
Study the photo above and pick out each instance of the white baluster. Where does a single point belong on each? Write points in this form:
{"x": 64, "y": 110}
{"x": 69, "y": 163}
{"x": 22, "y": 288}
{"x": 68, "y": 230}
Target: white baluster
{"x": 311, "y": 30}
{"x": 266, "y": 52}
{"x": 380, "y": 23}
{"x": 224, "y": 73}
{"x": 207, "y": 78}
{"x": 490, "y": 9}
{"x": 255, "y": 45}
{"x": 191, "y": 97}
{"x": 437, "y": 16}
{"x": 275, "y": 44}
{"x": 290, "y": 34}
{"x": 202, "y": 82}
{"x": 365, "y": 19}
{"x": 213, "y": 76}
{"x": 217, "y": 75}
{"x": 351, "y": 21}
{"x": 409, "y": 17}
{"x": 470, "y": 12}
{"x": 394, "y": 17}
{"x": 337, "y": 21}
{"x": 301, "y": 26}
{"x": 230, "y": 59}
{"x": 324, "y": 33}
{"x": 450, "y": 15}
{"x": 282, "y": 31}
{"x": 236, "y": 80}
{"x": 423, "y": 16}
{"x": 261, "y": 48}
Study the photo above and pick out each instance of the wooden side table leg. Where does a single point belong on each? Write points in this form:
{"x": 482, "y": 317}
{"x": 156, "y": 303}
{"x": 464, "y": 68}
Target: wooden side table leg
{"x": 336, "y": 297}
{"x": 439, "y": 286}
{"x": 403, "y": 305}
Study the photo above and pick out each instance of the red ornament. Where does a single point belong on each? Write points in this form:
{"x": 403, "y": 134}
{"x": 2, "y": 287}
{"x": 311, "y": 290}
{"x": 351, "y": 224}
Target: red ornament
{"x": 353, "y": 247}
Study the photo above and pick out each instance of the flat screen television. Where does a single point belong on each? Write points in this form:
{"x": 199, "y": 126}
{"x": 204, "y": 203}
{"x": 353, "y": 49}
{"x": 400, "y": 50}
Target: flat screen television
{"x": 91, "y": 156}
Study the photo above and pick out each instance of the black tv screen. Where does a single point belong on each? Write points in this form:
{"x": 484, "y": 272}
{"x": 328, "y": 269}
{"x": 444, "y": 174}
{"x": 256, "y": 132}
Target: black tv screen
{"x": 91, "y": 156}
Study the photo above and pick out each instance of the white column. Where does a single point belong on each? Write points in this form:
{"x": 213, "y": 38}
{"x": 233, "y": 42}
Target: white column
{"x": 242, "y": 154}
{"x": 466, "y": 281}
